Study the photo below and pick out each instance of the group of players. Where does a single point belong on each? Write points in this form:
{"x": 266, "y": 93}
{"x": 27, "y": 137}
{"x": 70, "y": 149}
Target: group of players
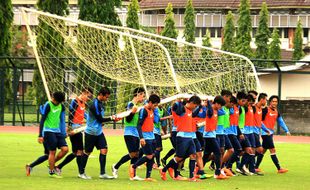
{"x": 225, "y": 130}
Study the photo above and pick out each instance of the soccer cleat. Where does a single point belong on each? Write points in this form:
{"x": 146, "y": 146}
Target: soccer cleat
{"x": 205, "y": 176}
{"x": 258, "y": 173}
{"x": 241, "y": 171}
{"x": 282, "y": 170}
{"x": 220, "y": 177}
{"x": 246, "y": 169}
{"x": 54, "y": 175}
{"x": 84, "y": 176}
{"x": 258, "y": 170}
{"x": 228, "y": 172}
{"x": 150, "y": 179}
{"x": 131, "y": 171}
{"x": 114, "y": 171}
{"x": 180, "y": 178}
{"x": 28, "y": 170}
{"x": 171, "y": 172}
{"x": 193, "y": 179}
{"x": 136, "y": 178}
{"x": 163, "y": 175}
{"x": 106, "y": 176}
{"x": 163, "y": 162}
{"x": 57, "y": 171}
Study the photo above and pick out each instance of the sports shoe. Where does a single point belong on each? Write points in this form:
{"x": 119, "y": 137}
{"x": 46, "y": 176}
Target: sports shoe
{"x": 114, "y": 171}
{"x": 258, "y": 170}
{"x": 180, "y": 178}
{"x": 228, "y": 172}
{"x": 205, "y": 176}
{"x": 131, "y": 171}
{"x": 150, "y": 179}
{"x": 246, "y": 169}
{"x": 136, "y": 178}
{"x": 57, "y": 171}
{"x": 28, "y": 170}
{"x": 258, "y": 174}
{"x": 282, "y": 170}
{"x": 84, "y": 176}
{"x": 163, "y": 162}
{"x": 54, "y": 175}
{"x": 106, "y": 176}
{"x": 163, "y": 175}
{"x": 234, "y": 173}
{"x": 193, "y": 179}
{"x": 241, "y": 171}
{"x": 171, "y": 172}
{"x": 220, "y": 177}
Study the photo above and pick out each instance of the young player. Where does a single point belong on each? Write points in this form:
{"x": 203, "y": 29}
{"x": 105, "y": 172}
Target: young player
{"x": 53, "y": 130}
{"x": 94, "y": 136}
{"x": 185, "y": 145}
{"x": 262, "y": 101}
{"x": 147, "y": 118}
{"x": 157, "y": 133}
{"x": 211, "y": 143}
{"x": 76, "y": 119}
{"x": 131, "y": 134}
{"x": 270, "y": 116}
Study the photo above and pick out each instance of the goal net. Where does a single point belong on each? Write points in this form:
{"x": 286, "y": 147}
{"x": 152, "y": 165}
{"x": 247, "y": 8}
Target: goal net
{"x": 72, "y": 54}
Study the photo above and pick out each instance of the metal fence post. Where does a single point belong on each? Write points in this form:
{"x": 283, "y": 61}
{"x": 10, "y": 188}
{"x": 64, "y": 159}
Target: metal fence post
{"x": 2, "y": 96}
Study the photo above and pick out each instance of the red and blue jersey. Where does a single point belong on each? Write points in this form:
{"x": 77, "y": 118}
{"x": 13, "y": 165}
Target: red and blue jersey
{"x": 269, "y": 118}
{"x": 249, "y": 120}
{"x": 233, "y": 120}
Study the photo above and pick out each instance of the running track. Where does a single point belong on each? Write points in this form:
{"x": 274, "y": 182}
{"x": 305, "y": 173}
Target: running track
{"x": 118, "y": 132}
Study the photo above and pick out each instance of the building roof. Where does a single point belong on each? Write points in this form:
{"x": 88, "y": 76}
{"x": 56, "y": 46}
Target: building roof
{"x": 227, "y": 4}
{"x": 33, "y": 2}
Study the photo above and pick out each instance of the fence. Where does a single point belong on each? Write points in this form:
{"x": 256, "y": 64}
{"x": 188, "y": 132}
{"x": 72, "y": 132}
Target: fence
{"x": 22, "y": 111}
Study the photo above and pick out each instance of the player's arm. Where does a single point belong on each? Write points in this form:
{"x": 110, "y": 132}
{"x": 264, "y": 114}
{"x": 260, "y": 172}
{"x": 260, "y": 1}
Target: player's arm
{"x": 197, "y": 113}
{"x": 221, "y": 112}
{"x": 156, "y": 116}
{"x": 246, "y": 109}
{"x": 130, "y": 106}
{"x": 72, "y": 108}
{"x": 95, "y": 110}
{"x": 264, "y": 113}
{"x": 62, "y": 124}
{"x": 142, "y": 116}
{"x": 178, "y": 108}
{"x": 282, "y": 124}
{"x": 45, "y": 110}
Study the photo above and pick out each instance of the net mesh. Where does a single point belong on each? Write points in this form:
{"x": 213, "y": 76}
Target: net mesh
{"x": 75, "y": 54}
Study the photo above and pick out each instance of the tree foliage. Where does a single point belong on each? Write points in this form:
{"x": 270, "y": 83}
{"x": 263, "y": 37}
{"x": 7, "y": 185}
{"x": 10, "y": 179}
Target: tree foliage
{"x": 298, "y": 52}
{"x": 229, "y": 34}
{"x": 263, "y": 33}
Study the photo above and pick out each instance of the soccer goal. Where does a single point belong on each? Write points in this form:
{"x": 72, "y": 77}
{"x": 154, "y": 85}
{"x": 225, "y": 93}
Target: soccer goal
{"x": 72, "y": 54}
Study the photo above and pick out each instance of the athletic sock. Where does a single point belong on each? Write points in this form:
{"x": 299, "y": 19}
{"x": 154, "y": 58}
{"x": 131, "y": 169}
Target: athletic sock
{"x": 171, "y": 164}
{"x": 68, "y": 159}
{"x": 191, "y": 166}
{"x": 83, "y": 163}
{"x": 244, "y": 160}
{"x": 259, "y": 160}
{"x": 102, "y": 160}
{"x": 275, "y": 161}
{"x": 157, "y": 157}
{"x": 170, "y": 153}
{"x": 140, "y": 162}
{"x": 149, "y": 166}
{"x": 79, "y": 162}
{"x": 123, "y": 160}
{"x": 38, "y": 161}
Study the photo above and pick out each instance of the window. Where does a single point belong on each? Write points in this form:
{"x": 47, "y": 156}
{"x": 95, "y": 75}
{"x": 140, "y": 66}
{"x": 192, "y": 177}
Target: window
{"x": 197, "y": 32}
{"x": 203, "y": 31}
{"x": 219, "y": 32}
{"x": 285, "y": 31}
{"x": 212, "y": 32}
{"x": 306, "y": 32}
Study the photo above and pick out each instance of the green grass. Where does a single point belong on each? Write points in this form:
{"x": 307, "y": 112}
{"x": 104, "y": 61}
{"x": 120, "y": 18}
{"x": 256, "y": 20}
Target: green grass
{"x": 19, "y": 149}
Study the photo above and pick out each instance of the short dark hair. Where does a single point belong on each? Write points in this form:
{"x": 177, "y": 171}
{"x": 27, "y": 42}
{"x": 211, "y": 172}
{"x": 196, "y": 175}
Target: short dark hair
{"x": 233, "y": 100}
{"x": 250, "y": 98}
{"x": 87, "y": 89}
{"x": 104, "y": 91}
{"x": 262, "y": 96}
{"x": 138, "y": 90}
{"x": 272, "y": 97}
{"x": 59, "y": 96}
{"x": 226, "y": 93}
{"x": 241, "y": 95}
{"x": 253, "y": 92}
{"x": 154, "y": 98}
{"x": 220, "y": 100}
{"x": 195, "y": 100}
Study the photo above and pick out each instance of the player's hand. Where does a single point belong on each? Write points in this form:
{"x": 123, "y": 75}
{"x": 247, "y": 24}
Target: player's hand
{"x": 40, "y": 140}
{"x": 288, "y": 134}
{"x": 115, "y": 118}
{"x": 142, "y": 142}
{"x": 268, "y": 133}
{"x": 242, "y": 137}
{"x": 134, "y": 109}
{"x": 71, "y": 133}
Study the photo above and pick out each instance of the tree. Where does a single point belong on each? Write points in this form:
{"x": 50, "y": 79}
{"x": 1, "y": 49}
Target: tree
{"x": 263, "y": 33}
{"x": 105, "y": 12}
{"x": 132, "y": 20}
{"x": 189, "y": 31}
{"x": 206, "y": 41}
{"x": 229, "y": 33}
{"x": 298, "y": 52}
{"x": 244, "y": 30}
{"x": 169, "y": 28}
{"x": 275, "y": 46}
{"x": 6, "y": 21}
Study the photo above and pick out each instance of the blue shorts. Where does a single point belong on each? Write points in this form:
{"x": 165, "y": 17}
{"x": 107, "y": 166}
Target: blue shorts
{"x": 251, "y": 139}
{"x": 235, "y": 142}
{"x": 197, "y": 145}
{"x": 245, "y": 142}
{"x": 92, "y": 141}
{"x": 159, "y": 143}
{"x": 54, "y": 140}
{"x": 150, "y": 147}
{"x": 221, "y": 140}
{"x": 173, "y": 138}
{"x": 257, "y": 140}
{"x": 185, "y": 147}
{"x": 212, "y": 146}
{"x": 201, "y": 140}
{"x": 228, "y": 144}
{"x": 268, "y": 141}
{"x": 77, "y": 142}
{"x": 132, "y": 143}
{"x": 45, "y": 148}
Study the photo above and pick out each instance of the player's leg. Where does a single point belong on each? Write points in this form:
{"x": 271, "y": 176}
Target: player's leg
{"x": 259, "y": 152}
{"x": 51, "y": 142}
{"x": 89, "y": 141}
{"x": 172, "y": 150}
{"x": 228, "y": 154}
{"x": 159, "y": 148}
{"x": 38, "y": 161}
{"x": 215, "y": 148}
{"x": 273, "y": 155}
{"x": 102, "y": 145}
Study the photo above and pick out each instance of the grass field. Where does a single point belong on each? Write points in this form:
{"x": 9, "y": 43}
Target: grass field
{"x": 19, "y": 149}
